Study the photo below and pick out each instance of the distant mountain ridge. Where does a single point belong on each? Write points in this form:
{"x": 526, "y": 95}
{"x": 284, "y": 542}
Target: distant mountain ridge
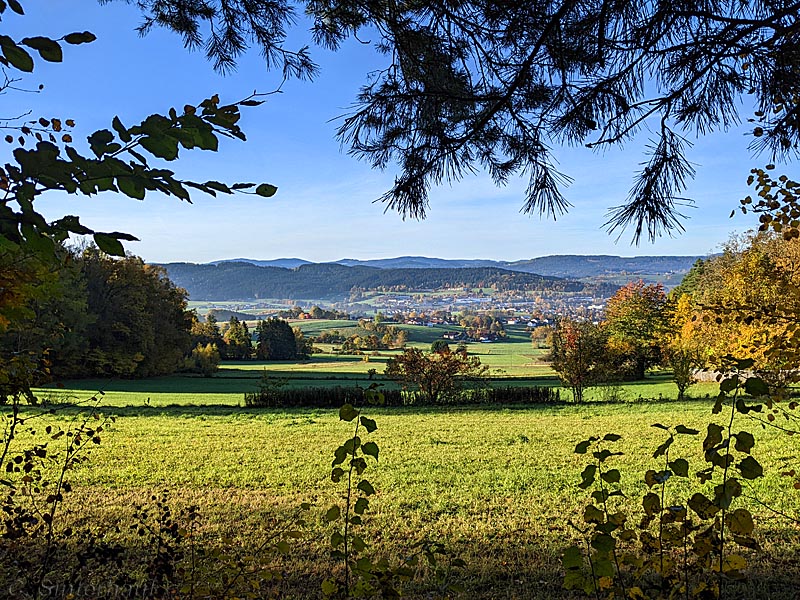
{"x": 573, "y": 266}
{"x": 244, "y": 280}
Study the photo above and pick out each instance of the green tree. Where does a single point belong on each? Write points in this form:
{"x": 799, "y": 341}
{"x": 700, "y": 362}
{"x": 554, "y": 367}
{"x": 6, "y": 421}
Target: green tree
{"x": 129, "y": 160}
{"x": 238, "y": 343}
{"x": 440, "y": 346}
{"x": 635, "y": 318}
{"x": 207, "y": 332}
{"x": 140, "y": 322}
{"x": 578, "y": 352}
{"x": 304, "y": 347}
{"x": 439, "y": 376}
{"x": 275, "y": 340}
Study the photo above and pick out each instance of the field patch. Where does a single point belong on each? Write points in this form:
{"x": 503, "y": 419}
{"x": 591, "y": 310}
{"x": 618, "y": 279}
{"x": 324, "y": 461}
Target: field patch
{"x": 497, "y": 486}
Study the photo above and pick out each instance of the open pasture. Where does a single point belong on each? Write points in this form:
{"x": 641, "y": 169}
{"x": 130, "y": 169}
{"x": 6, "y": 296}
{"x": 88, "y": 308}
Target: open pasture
{"x": 497, "y": 486}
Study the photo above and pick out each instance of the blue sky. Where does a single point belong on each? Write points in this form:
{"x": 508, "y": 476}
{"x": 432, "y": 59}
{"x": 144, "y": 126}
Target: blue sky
{"x": 324, "y": 208}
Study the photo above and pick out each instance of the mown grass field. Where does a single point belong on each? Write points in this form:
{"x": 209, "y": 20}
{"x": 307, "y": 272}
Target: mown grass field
{"x": 497, "y": 486}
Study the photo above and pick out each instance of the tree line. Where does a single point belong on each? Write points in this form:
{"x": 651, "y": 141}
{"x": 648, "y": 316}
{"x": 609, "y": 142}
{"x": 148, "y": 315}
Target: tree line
{"x": 742, "y": 302}
{"x": 93, "y": 315}
{"x": 275, "y": 339}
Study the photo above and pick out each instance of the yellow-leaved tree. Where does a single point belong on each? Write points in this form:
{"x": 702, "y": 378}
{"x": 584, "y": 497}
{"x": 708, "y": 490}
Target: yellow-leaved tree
{"x": 683, "y": 349}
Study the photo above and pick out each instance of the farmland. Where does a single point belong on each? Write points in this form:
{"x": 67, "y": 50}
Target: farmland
{"x": 497, "y": 486}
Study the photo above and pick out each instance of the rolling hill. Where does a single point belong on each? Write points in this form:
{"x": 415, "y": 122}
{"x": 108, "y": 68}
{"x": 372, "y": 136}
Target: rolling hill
{"x": 244, "y": 280}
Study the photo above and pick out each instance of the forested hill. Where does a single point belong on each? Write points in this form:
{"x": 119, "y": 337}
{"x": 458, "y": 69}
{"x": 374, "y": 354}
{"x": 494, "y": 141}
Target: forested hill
{"x": 242, "y": 281}
{"x": 570, "y": 266}
{"x": 579, "y": 266}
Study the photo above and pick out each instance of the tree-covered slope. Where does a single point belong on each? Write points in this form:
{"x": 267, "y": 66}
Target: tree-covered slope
{"x": 240, "y": 280}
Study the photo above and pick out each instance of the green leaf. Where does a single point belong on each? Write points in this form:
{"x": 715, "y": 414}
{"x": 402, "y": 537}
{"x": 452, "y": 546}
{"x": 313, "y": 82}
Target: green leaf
{"x": 220, "y": 187}
{"x": 162, "y": 146}
{"x": 755, "y": 386}
{"x": 662, "y": 449}
{"x": 680, "y": 466}
{"x": 663, "y": 476}
{"x": 746, "y": 541}
{"x": 744, "y": 441}
{"x": 266, "y": 190}
{"x": 583, "y": 447}
{"x": 337, "y": 472}
{"x": 733, "y": 562}
{"x": 744, "y": 408}
{"x": 99, "y": 141}
{"x": 603, "y": 455}
{"x": 131, "y": 187}
{"x": 713, "y": 437}
{"x": 729, "y": 384}
{"x": 333, "y": 513}
{"x": 686, "y": 430}
{"x": 724, "y": 494}
{"x": 361, "y": 505}
{"x": 48, "y": 49}
{"x": 122, "y": 132}
{"x": 603, "y": 543}
{"x": 340, "y": 454}
{"x": 366, "y": 487}
{"x": 588, "y": 476}
{"x": 592, "y": 514}
{"x": 72, "y": 224}
{"x": 329, "y": 587}
{"x": 18, "y": 58}
{"x": 16, "y": 7}
{"x": 651, "y": 503}
{"x": 109, "y": 244}
{"x": 83, "y": 37}
{"x": 650, "y": 478}
{"x": 370, "y": 449}
{"x": 573, "y": 558}
{"x": 611, "y": 437}
{"x": 611, "y": 476}
{"x": 347, "y": 413}
{"x": 369, "y": 424}
{"x": 574, "y": 579}
{"x": 750, "y": 468}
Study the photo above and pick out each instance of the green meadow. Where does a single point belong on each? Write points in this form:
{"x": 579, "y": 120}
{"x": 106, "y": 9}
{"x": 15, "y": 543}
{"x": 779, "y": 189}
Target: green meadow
{"x": 497, "y": 486}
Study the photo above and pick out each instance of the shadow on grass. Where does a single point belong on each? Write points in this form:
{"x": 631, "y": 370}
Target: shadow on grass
{"x": 522, "y": 569}
{"x": 226, "y": 410}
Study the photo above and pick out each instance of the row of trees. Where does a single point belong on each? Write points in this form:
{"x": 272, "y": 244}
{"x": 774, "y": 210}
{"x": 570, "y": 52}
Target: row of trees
{"x": 373, "y": 335}
{"x": 275, "y": 339}
{"x": 744, "y": 303}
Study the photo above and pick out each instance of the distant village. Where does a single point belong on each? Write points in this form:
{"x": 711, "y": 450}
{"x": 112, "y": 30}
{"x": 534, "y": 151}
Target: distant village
{"x": 474, "y": 317}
